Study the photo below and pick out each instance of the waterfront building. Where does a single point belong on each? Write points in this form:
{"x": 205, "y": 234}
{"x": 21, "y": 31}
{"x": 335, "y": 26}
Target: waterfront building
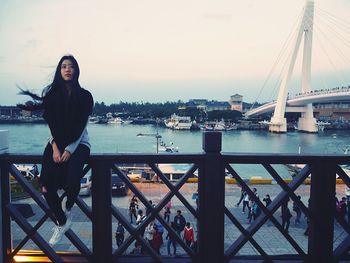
{"x": 333, "y": 111}
{"x": 236, "y": 102}
{"x": 217, "y": 105}
{"x": 207, "y": 105}
{"x": 11, "y": 111}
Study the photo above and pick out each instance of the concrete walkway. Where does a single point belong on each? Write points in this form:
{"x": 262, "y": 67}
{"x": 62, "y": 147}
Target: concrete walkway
{"x": 268, "y": 237}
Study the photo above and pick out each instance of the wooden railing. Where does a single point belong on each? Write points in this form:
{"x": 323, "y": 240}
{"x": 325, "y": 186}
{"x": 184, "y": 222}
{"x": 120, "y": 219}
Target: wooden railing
{"x": 210, "y": 214}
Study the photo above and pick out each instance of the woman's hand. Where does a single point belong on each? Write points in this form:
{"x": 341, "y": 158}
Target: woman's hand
{"x": 65, "y": 156}
{"x": 56, "y": 153}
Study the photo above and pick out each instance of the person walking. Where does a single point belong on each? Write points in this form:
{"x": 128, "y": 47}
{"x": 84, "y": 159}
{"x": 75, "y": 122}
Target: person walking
{"x": 149, "y": 209}
{"x": 241, "y": 197}
{"x": 267, "y": 200}
{"x": 157, "y": 240}
{"x": 149, "y": 232}
{"x": 167, "y": 214}
{"x": 66, "y": 108}
{"x": 251, "y": 204}
{"x": 119, "y": 234}
{"x": 245, "y": 202}
{"x": 140, "y": 217}
{"x": 341, "y": 209}
{"x": 297, "y": 210}
{"x": 188, "y": 234}
{"x": 171, "y": 240}
{"x": 180, "y": 222}
{"x": 133, "y": 206}
{"x": 286, "y": 215}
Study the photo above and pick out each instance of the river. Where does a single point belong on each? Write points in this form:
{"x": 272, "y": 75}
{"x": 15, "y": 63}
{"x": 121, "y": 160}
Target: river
{"x": 121, "y": 138}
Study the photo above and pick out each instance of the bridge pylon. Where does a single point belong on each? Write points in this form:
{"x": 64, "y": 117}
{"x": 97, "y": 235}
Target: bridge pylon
{"x": 307, "y": 122}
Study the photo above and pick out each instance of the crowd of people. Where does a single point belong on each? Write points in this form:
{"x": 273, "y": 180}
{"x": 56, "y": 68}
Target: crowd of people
{"x": 153, "y": 232}
{"x": 250, "y": 204}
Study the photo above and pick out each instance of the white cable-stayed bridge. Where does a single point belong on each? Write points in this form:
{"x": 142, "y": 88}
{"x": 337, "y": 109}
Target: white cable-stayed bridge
{"x": 294, "y": 103}
{"x": 302, "y": 102}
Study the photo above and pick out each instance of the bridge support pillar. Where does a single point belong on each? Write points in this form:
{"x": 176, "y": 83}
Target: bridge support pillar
{"x": 278, "y": 125}
{"x": 307, "y": 122}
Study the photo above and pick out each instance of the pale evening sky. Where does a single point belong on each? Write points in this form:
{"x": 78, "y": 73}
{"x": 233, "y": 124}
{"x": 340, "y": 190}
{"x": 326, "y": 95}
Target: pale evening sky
{"x": 159, "y": 50}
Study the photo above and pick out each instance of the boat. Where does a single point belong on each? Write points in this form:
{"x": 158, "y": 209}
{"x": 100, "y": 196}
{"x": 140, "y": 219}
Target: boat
{"x": 116, "y": 120}
{"x": 163, "y": 147}
{"x": 220, "y": 126}
{"x": 29, "y": 171}
{"x": 321, "y": 125}
{"x": 294, "y": 169}
{"x": 93, "y": 120}
{"x": 178, "y": 122}
{"x": 231, "y": 126}
{"x": 265, "y": 122}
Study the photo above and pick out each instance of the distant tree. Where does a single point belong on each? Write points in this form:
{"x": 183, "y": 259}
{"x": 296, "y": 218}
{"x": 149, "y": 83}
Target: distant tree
{"x": 142, "y": 109}
{"x": 229, "y": 115}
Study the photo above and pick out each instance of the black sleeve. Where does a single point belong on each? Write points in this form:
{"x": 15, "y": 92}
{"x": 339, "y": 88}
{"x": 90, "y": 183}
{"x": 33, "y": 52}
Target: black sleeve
{"x": 86, "y": 110}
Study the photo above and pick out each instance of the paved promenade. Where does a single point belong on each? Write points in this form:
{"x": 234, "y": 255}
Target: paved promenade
{"x": 268, "y": 237}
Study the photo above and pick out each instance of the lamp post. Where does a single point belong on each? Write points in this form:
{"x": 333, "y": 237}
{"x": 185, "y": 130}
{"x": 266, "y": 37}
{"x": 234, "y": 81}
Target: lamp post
{"x": 156, "y": 135}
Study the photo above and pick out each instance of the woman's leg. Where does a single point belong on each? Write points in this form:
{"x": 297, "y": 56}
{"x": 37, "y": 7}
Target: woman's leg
{"x": 168, "y": 245}
{"x": 54, "y": 203}
{"x": 287, "y": 224}
{"x": 75, "y": 173}
{"x": 50, "y": 186}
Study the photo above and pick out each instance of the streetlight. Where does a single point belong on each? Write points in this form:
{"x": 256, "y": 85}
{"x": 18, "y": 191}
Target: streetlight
{"x": 156, "y": 135}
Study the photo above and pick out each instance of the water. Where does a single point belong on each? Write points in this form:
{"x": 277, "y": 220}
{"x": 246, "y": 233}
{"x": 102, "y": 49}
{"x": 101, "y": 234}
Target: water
{"x": 116, "y": 138}
{"x": 32, "y": 138}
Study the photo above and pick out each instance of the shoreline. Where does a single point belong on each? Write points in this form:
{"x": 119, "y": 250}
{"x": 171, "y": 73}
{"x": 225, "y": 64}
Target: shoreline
{"x": 252, "y": 127}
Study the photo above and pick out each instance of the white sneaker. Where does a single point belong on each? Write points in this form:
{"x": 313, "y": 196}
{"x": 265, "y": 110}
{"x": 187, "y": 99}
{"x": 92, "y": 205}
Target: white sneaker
{"x": 58, "y": 232}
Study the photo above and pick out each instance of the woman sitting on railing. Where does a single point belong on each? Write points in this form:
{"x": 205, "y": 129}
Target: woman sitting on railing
{"x": 66, "y": 108}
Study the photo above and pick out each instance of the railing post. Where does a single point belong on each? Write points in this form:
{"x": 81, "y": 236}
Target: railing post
{"x": 5, "y": 199}
{"x": 101, "y": 213}
{"x": 211, "y": 190}
{"x": 5, "y": 220}
{"x": 322, "y": 209}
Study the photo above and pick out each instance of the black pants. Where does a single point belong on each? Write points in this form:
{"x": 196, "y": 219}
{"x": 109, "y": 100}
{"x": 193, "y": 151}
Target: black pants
{"x": 285, "y": 223}
{"x": 71, "y": 172}
{"x": 119, "y": 239}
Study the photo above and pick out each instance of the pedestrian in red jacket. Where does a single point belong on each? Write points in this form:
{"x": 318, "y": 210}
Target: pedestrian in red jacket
{"x": 188, "y": 234}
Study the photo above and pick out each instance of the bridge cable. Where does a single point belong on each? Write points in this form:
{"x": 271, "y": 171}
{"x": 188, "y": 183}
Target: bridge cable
{"x": 340, "y": 37}
{"x": 280, "y": 55}
{"x": 282, "y": 72}
{"x": 328, "y": 56}
{"x": 338, "y": 29}
{"x": 335, "y": 31}
{"x": 337, "y": 20}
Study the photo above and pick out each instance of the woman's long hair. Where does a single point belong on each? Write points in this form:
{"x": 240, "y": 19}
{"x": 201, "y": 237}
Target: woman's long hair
{"x": 38, "y": 102}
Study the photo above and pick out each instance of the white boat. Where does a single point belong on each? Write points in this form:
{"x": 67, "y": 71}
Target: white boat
{"x": 178, "y": 122}
{"x": 163, "y": 147}
{"x": 220, "y": 126}
{"x": 231, "y": 127}
{"x": 295, "y": 168}
{"x": 93, "y": 120}
{"x": 116, "y": 120}
{"x": 321, "y": 125}
{"x": 29, "y": 171}
{"x": 265, "y": 122}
